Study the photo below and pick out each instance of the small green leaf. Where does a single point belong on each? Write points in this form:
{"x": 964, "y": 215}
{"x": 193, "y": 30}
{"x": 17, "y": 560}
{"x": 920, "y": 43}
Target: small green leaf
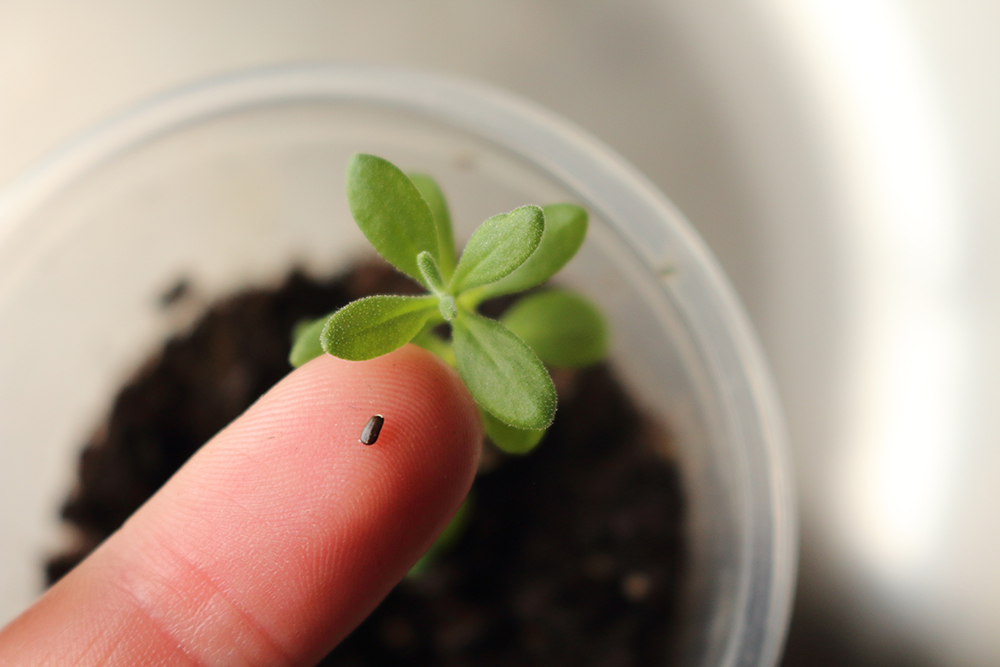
{"x": 564, "y": 329}
{"x": 429, "y": 270}
{"x": 448, "y": 307}
{"x": 305, "y": 341}
{"x": 565, "y": 230}
{"x": 376, "y": 325}
{"x": 432, "y": 194}
{"x": 502, "y": 373}
{"x": 509, "y": 439}
{"x": 497, "y": 247}
{"x": 432, "y": 278}
{"x": 391, "y": 212}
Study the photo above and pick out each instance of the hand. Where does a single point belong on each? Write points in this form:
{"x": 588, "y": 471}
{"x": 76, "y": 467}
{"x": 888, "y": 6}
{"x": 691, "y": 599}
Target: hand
{"x": 280, "y": 535}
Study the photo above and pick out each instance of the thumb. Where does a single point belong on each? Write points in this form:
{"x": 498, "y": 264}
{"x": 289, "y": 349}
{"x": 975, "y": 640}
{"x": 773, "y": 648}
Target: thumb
{"x": 280, "y": 535}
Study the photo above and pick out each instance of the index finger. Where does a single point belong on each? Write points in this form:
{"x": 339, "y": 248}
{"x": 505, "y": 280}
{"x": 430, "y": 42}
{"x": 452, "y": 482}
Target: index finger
{"x": 280, "y": 535}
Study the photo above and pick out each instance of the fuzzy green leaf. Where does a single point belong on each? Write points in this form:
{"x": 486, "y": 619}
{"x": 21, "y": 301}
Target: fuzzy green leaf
{"x": 509, "y": 439}
{"x": 376, "y": 325}
{"x": 432, "y": 194}
{"x": 391, "y": 212}
{"x": 430, "y": 272}
{"x": 305, "y": 341}
{"x": 432, "y": 278}
{"x": 565, "y": 230}
{"x": 502, "y": 373}
{"x": 564, "y": 329}
{"x": 497, "y": 247}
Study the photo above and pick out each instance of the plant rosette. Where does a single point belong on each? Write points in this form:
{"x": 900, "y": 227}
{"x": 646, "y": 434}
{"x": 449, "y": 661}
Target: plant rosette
{"x": 503, "y": 363}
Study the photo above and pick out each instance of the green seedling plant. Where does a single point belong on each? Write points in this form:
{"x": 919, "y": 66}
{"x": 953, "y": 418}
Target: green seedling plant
{"x": 503, "y": 363}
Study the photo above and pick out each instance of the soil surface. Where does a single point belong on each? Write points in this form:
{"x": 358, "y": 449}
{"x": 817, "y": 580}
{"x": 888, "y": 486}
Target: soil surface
{"x": 573, "y": 555}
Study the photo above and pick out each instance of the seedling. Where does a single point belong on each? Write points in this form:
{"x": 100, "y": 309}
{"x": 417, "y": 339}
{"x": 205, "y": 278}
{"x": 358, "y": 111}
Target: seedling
{"x": 503, "y": 363}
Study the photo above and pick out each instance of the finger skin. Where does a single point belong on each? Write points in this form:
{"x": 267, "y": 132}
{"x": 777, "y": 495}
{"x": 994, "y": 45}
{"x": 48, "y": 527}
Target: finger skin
{"x": 280, "y": 535}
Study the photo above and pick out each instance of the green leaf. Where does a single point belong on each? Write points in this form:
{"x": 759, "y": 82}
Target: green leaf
{"x": 509, "y": 439}
{"x": 391, "y": 212}
{"x": 565, "y": 230}
{"x": 432, "y": 194}
{"x": 499, "y": 246}
{"x": 564, "y": 329}
{"x": 305, "y": 341}
{"x": 502, "y": 373}
{"x": 432, "y": 276}
{"x": 376, "y": 325}
{"x": 431, "y": 342}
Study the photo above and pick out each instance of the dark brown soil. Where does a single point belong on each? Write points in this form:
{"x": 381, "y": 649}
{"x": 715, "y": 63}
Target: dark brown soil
{"x": 573, "y": 555}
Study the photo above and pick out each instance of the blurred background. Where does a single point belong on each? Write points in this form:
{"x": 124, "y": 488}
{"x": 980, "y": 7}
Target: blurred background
{"x": 840, "y": 157}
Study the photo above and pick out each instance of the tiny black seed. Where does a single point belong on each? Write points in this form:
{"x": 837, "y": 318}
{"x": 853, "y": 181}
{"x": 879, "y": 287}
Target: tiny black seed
{"x": 369, "y": 434}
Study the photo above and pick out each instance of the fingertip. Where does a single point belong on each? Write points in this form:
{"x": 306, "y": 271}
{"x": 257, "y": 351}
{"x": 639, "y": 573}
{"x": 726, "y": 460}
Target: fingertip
{"x": 430, "y": 424}
{"x": 413, "y": 385}
{"x": 284, "y": 531}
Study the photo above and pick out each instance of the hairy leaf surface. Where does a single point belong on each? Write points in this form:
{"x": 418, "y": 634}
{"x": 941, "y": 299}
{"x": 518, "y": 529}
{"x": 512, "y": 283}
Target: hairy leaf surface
{"x": 376, "y": 325}
{"x": 391, "y": 212}
{"x": 502, "y": 373}
{"x": 509, "y": 439}
{"x": 565, "y": 230}
{"x": 497, "y": 247}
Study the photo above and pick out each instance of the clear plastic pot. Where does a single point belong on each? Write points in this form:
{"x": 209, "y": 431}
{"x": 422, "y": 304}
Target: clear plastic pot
{"x": 232, "y": 182}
